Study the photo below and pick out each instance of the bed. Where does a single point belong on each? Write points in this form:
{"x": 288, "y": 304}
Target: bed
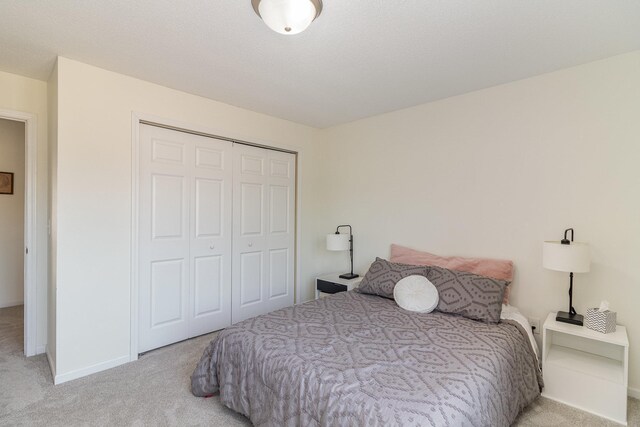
{"x": 355, "y": 359}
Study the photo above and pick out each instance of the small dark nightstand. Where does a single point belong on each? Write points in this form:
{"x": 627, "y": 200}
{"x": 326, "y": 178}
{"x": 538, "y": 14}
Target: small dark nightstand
{"x": 332, "y": 284}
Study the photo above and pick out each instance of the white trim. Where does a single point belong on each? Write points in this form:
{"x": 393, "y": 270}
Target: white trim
{"x": 41, "y": 349}
{"x": 30, "y": 202}
{"x": 136, "y": 117}
{"x": 135, "y": 172}
{"x": 633, "y": 392}
{"x": 83, "y": 372}
{"x": 298, "y": 225}
{"x": 52, "y": 364}
{"x": 11, "y": 304}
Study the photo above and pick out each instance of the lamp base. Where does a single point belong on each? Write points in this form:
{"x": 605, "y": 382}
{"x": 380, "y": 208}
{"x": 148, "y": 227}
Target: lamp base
{"x": 574, "y": 319}
{"x": 348, "y": 276}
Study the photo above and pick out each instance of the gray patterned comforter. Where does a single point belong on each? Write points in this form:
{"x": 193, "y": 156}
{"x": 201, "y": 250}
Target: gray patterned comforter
{"x": 352, "y": 360}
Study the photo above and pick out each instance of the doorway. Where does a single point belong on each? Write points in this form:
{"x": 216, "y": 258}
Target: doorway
{"x": 12, "y": 174}
{"x": 18, "y": 227}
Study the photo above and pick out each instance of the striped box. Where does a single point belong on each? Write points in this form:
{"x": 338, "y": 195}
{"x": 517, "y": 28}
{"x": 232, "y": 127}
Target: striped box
{"x": 601, "y": 321}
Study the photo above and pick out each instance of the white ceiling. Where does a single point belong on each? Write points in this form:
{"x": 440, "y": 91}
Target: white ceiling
{"x": 360, "y": 58}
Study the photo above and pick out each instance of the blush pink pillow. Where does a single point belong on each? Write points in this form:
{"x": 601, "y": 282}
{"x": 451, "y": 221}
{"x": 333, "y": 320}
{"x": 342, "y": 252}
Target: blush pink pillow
{"x": 495, "y": 268}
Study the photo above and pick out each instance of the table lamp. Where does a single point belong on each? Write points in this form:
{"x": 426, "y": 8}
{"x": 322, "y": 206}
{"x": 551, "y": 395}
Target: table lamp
{"x": 342, "y": 242}
{"x": 569, "y": 257}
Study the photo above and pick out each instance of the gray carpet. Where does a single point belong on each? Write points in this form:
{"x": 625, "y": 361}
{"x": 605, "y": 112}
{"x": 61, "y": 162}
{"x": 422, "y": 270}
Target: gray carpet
{"x": 155, "y": 391}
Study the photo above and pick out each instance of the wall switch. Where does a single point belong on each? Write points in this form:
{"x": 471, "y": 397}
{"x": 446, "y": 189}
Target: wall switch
{"x": 535, "y": 323}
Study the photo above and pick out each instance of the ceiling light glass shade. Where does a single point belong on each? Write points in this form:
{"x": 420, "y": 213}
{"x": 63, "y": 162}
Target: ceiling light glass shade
{"x": 573, "y": 258}
{"x": 287, "y": 16}
{"x": 337, "y": 242}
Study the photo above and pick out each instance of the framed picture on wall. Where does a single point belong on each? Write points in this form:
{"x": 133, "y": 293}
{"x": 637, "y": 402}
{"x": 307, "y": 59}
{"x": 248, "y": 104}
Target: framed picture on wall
{"x": 6, "y": 182}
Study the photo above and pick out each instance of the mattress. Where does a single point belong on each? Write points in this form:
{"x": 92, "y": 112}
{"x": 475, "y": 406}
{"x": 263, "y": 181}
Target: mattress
{"x": 353, "y": 359}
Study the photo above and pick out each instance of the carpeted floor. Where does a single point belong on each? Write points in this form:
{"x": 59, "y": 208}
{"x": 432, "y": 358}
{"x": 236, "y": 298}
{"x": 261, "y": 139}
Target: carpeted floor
{"x": 155, "y": 391}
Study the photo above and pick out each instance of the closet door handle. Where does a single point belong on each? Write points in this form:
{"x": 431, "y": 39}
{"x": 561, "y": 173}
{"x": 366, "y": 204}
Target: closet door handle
{"x": 212, "y": 247}
{"x": 250, "y": 244}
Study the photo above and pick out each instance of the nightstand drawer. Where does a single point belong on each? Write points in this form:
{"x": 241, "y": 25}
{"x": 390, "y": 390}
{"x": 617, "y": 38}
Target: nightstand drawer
{"x": 330, "y": 284}
{"x": 330, "y": 287}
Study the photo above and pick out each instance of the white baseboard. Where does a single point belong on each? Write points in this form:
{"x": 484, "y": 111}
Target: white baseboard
{"x": 83, "y": 372}
{"x": 52, "y": 364}
{"x": 11, "y": 304}
{"x": 633, "y": 392}
{"x": 41, "y": 349}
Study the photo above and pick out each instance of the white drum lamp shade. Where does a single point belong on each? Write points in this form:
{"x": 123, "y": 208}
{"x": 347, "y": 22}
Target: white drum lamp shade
{"x": 337, "y": 242}
{"x": 572, "y": 258}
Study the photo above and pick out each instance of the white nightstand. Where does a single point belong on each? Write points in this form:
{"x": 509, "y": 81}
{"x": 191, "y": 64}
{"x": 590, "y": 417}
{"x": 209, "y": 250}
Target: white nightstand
{"x": 586, "y": 369}
{"x": 332, "y": 284}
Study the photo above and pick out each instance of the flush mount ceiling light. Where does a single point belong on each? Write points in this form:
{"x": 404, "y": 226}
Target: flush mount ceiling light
{"x": 287, "y": 16}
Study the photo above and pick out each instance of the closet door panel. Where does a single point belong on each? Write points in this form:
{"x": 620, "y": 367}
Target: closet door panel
{"x": 209, "y": 206}
{"x": 281, "y": 232}
{"x": 167, "y": 195}
{"x": 210, "y": 243}
{"x": 279, "y": 282}
{"x": 279, "y": 209}
{"x": 251, "y": 278}
{"x": 185, "y": 236}
{"x": 208, "y": 284}
{"x": 164, "y": 238}
{"x": 251, "y": 209}
{"x": 249, "y": 225}
{"x": 167, "y": 291}
{"x": 264, "y": 213}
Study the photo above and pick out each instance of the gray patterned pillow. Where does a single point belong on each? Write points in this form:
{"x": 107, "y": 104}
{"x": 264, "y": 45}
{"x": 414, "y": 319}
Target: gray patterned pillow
{"x": 383, "y": 276}
{"x": 467, "y": 294}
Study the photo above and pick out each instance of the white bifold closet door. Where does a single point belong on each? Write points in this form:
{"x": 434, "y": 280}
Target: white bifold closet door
{"x": 216, "y": 234}
{"x": 185, "y": 223}
{"x": 263, "y": 231}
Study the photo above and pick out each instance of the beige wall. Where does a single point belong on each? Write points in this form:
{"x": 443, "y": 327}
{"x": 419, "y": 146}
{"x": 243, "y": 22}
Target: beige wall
{"x": 12, "y": 152}
{"x": 27, "y": 95}
{"x": 493, "y": 173}
{"x": 93, "y": 201}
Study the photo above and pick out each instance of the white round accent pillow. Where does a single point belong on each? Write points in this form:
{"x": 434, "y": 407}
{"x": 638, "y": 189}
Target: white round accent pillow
{"x": 416, "y": 293}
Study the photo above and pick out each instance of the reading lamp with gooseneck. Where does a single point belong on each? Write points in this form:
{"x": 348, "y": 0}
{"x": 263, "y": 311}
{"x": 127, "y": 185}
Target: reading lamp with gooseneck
{"x": 342, "y": 242}
{"x": 569, "y": 257}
